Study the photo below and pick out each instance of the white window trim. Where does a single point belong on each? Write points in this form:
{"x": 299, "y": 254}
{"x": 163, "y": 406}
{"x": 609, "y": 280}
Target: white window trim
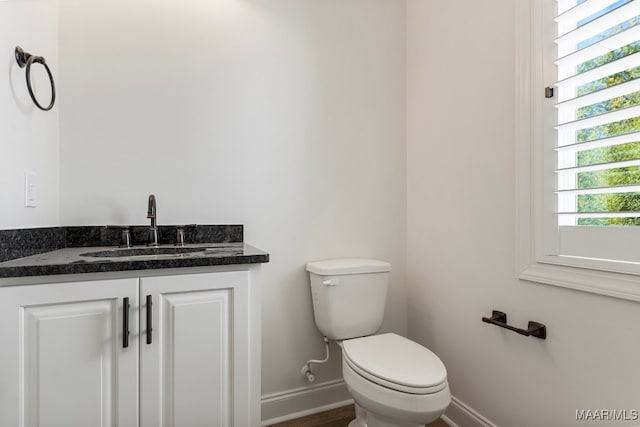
{"x": 619, "y": 280}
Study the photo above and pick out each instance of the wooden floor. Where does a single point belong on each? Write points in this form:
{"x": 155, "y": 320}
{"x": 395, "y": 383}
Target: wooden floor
{"x": 340, "y": 417}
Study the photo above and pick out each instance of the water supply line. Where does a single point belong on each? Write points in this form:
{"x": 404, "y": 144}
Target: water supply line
{"x": 307, "y": 370}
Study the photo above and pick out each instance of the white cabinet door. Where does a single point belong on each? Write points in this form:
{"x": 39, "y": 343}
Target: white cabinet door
{"x": 195, "y": 367}
{"x": 62, "y": 360}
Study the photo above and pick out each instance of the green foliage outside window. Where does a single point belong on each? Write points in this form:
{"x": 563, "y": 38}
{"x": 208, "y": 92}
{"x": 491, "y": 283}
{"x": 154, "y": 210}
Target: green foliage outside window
{"x": 620, "y": 202}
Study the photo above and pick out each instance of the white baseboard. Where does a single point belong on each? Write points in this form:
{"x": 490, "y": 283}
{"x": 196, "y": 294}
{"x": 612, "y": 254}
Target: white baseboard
{"x": 300, "y": 402}
{"x": 459, "y": 414}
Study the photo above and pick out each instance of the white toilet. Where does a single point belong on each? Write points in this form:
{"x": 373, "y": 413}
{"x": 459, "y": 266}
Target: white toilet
{"x": 394, "y": 381}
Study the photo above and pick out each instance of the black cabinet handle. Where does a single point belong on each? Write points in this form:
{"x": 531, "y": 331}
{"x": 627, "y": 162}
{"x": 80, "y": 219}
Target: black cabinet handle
{"x": 149, "y": 319}
{"x": 125, "y": 322}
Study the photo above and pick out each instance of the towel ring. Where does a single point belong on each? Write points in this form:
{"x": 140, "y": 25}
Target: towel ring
{"x": 25, "y": 59}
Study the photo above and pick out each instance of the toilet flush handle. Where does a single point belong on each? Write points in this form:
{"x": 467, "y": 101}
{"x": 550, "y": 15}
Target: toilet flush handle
{"x": 330, "y": 282}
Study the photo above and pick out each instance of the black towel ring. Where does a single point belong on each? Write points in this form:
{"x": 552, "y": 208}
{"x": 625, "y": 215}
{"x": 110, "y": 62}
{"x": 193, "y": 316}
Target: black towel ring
{"x": 25, "y": 59}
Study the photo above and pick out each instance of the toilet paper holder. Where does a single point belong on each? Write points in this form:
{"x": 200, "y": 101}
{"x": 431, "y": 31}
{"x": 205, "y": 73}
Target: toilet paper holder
{"x": 534, "y": 329}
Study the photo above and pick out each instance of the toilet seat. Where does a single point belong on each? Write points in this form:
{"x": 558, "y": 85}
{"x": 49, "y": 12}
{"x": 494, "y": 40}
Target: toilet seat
{"x": 395, "y": 362}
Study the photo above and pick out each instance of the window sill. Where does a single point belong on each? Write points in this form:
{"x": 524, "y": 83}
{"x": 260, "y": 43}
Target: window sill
{"x": 611, "y": 284}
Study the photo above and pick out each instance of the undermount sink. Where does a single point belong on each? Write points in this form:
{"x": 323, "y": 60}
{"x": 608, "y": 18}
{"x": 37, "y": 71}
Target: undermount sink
{"x": 132, "y": 252}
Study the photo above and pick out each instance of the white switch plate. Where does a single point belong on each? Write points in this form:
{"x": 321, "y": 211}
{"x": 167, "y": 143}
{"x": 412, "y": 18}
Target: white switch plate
{"x": 29, "y": 189}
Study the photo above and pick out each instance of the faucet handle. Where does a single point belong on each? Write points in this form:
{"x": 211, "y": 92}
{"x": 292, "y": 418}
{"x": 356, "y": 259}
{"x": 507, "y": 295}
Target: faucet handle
{"x": 154, "y": 238}
{"x": 180, "y": 236}
{"x": 126, "y": 238}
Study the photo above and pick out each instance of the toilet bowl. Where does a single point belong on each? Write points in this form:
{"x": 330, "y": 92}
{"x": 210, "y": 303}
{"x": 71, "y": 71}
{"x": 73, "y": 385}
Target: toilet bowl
{"x": 393, "y": 381}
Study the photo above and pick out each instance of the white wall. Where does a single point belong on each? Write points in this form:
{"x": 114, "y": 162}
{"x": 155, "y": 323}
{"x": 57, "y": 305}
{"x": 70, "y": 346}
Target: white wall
{"x": 28, "y": 136}
{"x": 461, "y": 238}
{"x": 282, "y": 115}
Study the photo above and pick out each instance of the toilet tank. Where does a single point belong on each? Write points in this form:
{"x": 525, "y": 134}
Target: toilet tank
{"x": 348, "y": 296}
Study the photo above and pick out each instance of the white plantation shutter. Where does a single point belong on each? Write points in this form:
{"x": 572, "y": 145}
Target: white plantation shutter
{"x": 597, "y": 132}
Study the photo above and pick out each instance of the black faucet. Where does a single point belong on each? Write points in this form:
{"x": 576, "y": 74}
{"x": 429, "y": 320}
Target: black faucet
{"x": 151, "y": 214}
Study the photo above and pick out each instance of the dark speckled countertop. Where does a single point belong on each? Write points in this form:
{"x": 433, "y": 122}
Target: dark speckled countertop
{"x": 72, "y": 250}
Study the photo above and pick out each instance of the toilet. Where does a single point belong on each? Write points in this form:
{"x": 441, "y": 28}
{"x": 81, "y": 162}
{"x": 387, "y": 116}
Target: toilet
{"x": 394, "y": 381}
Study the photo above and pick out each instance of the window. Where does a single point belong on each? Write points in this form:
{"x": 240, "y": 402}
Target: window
{"x": 597, "y": 132}
{"x": 579, "y": 157}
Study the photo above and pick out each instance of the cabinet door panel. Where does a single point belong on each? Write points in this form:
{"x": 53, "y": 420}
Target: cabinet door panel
{"x": 69, "y": 363}
{"x": 196, "y": 353}
{"x": 195, "y": 371}
{"x": 66, "y": 365}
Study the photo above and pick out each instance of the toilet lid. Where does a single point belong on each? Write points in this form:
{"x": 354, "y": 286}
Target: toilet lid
{"x": 342, "y": 266}
{"x": 396, "y": 362}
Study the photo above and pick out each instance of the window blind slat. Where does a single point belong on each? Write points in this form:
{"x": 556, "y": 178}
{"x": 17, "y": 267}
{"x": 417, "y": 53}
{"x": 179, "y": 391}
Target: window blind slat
{"x": 582, "y": 11}
{"x": 604, "y": 142}
{"x": 595, "y": 50}
{"x": 601, "y": 119}
{"x": 600, "y": 72}
{"x": 601, "y": 190}
{"x": 564, "y": 5}
{"x": 616, "y": 214}
{"x": 601, "y": 95}
{"x": 605, "y": 22}
{"x": 599, "y": 167}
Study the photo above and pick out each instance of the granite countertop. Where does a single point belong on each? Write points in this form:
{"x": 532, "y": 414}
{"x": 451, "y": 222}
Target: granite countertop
{"x": 77, "y": 249}
{"x": 76, "y": 260}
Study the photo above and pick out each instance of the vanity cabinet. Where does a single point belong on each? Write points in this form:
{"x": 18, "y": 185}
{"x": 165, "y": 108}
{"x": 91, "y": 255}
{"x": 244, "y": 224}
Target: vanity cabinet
{"x": 191, "y": 356}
